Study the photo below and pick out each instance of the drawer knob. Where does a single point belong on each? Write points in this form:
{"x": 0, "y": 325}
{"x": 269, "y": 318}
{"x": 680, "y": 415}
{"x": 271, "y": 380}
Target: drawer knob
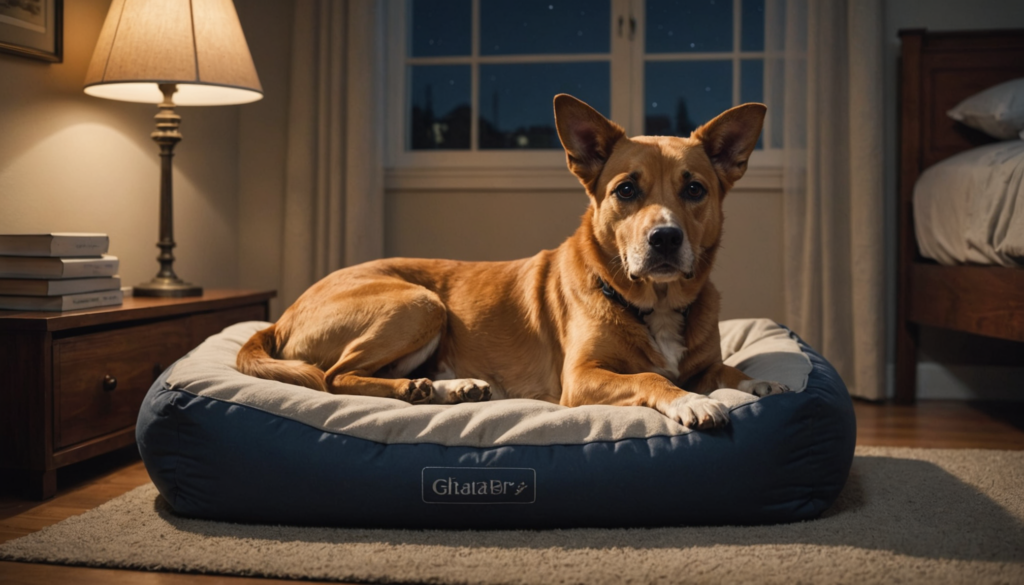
{"x": 109, "y": 383}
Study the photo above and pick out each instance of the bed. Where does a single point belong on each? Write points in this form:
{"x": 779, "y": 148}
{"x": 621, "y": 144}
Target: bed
{"x": 225, "y": 446}
{"x": 938, "y": 71}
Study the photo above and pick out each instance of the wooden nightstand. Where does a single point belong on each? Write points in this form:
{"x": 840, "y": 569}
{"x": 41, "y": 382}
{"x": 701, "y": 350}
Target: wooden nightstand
{"x": 71, "y": 383}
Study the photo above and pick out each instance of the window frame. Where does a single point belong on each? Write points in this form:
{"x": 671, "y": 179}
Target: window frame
{"x": 626, "y": 59}
{"x": 767, "y": 157}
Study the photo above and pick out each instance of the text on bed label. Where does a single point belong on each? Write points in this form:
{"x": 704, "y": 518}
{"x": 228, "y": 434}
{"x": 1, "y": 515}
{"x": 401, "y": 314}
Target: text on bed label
{"x": 479, "y": 485}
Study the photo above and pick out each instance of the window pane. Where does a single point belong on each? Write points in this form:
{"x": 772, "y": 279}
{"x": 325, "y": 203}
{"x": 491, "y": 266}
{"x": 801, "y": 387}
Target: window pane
{"x": 528, "y": 27}
{"x": 681, "y": 95}
{"x": 752, "y": 85}
{"x": 689, "y": 26}
{"x": 440, "y": 27}
{"x": 752, "y": 27}
{"x": 515, "y": 100}
{"x": 440, "y": 112}
{"x": 752, "y": 80}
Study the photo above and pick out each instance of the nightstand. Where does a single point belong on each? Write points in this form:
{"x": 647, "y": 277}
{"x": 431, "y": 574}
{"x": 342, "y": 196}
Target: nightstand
{"x": 71, "y": 383}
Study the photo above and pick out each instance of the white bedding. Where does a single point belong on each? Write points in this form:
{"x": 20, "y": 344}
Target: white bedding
{"x": 969, "y": 208}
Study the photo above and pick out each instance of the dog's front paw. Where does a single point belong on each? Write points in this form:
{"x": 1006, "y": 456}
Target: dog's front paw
{"x": 461, "y": 390}
{"x": 417, "y": 392}
{"x": 698, "y": 411}
{"x": 762, "y": 388}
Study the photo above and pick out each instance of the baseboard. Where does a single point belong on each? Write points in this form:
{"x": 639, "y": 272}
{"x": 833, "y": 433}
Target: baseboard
{"x": 966, "y": 382}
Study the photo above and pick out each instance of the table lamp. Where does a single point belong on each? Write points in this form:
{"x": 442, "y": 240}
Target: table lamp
{"x": 172, "y": 52}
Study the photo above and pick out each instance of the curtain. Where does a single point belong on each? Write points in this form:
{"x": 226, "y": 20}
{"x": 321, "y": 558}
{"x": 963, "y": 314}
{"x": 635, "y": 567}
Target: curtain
{"x": 333, "y": 206}
{"x": 831, "y": 55}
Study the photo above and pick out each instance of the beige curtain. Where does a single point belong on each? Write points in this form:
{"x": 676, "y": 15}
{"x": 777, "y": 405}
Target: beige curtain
{"x": 333, "y": 208}
{"x": 833, "y": 184}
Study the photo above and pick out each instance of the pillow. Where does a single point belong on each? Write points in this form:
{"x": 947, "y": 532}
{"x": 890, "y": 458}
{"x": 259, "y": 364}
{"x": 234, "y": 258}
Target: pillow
{"x": 998, "y": 111}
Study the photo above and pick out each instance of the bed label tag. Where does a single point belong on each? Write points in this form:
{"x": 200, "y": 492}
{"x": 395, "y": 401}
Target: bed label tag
{"x": 479, "y": 485}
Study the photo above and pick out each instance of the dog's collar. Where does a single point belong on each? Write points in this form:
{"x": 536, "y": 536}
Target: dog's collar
{"x": 617, "y": 298}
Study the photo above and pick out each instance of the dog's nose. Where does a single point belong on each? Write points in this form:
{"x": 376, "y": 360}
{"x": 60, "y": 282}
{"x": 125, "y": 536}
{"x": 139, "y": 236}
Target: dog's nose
{"x": 665, "y": 240}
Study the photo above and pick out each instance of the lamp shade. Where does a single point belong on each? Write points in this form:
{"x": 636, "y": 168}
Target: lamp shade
{"x": 196, "y": 44}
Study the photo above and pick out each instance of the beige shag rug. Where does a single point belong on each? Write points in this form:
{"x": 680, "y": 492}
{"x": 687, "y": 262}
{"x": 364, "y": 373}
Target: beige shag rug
{"x": 906, "y": 516}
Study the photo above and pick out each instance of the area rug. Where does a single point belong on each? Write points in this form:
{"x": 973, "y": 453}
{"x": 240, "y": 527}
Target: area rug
{"x": 906, "y": 516}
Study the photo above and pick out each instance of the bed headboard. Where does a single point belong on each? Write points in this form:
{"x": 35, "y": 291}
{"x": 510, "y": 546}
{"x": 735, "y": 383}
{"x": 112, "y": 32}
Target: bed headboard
{"x": 937, "y": 71}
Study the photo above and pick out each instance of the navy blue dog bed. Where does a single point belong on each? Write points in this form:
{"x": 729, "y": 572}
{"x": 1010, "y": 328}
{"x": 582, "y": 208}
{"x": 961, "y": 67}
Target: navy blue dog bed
{"x": 221, "y": 445}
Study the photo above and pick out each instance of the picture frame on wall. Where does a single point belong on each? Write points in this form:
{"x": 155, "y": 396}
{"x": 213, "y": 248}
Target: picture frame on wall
{"x": 33, "y": 28}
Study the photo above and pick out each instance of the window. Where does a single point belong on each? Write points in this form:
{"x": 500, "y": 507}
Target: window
{"x": 701, "y": 57}
{"x": 472, "y": 80}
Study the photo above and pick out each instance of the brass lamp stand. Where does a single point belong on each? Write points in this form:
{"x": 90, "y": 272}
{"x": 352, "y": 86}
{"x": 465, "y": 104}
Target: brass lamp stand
{"x": 166, "y": 283}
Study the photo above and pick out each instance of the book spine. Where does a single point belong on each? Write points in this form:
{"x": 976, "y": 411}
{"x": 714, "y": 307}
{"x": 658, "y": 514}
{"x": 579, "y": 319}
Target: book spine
{"x": 90, "y": 269}
{"x": 81, "y": 285}
{"x": 91, "y": 300}
{"x": 57, "y": 268}
{"x": 77, "y": 247}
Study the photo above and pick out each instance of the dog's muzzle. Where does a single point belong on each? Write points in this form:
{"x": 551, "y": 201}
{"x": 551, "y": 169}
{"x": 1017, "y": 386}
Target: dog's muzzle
{"x": 665, "y": 252}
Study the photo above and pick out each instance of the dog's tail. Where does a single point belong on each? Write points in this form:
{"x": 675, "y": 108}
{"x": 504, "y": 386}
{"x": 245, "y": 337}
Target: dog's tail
{"x": 256, "y": 359}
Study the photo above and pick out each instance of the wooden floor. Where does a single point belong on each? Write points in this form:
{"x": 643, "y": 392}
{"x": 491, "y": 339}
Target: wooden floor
{"x": 932, "y": 424}
{"x": 942, "y": 424}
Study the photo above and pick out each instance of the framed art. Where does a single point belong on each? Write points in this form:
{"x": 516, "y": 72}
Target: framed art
{"x": 33, "y": 28}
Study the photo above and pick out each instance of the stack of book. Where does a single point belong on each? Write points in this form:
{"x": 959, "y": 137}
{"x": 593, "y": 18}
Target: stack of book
{"x": 57, "y": 272}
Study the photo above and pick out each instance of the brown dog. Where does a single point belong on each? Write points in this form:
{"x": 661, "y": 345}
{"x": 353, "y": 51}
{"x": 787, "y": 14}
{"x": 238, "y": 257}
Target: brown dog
{"x": 621, "y": 313}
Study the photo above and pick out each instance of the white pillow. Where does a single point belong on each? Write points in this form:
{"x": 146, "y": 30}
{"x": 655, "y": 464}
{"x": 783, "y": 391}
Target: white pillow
{"x": 998, "y": 111}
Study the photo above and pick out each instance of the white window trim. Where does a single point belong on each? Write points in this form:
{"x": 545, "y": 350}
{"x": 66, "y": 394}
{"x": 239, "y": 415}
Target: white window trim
{"x": 505, "y": 170}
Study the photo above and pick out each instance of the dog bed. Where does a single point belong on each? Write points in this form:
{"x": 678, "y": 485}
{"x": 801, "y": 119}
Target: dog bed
{"x": 222, "y": 445}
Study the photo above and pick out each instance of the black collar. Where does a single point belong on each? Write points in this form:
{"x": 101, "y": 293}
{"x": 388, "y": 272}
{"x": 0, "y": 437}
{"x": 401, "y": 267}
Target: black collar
{"x": 617, "y": 298}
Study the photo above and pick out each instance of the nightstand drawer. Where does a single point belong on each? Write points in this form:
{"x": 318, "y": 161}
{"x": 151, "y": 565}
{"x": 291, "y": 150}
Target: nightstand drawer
{"x": 54, "y": 409}
{"x": 101, "y": 378}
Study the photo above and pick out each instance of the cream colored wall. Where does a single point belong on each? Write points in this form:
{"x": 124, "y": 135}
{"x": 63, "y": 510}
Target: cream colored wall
{"x": 468, "y": 225}
{"x": 262, "y": 145}
{"x": 71, "y": 162}
{"x": 504, "y": 225}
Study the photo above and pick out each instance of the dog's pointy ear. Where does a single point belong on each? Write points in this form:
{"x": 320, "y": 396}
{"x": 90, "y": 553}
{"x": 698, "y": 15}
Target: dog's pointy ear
{"x": 587, "y": 136}
{"x": 730, "y": 138}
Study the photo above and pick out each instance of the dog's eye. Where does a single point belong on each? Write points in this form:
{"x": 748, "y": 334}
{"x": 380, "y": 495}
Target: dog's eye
{"x": 626, "y": 191}
{"x": 694, "y": 191}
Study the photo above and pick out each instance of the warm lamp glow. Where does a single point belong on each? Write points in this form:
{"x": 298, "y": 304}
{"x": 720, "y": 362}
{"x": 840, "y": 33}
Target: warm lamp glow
{"x": 196, "y": 44}
{"x": 187, "y": 95}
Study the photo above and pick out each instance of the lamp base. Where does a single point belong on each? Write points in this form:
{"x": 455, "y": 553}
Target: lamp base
{"x": 166, "y": 284}
{"x": 167, "y": 287}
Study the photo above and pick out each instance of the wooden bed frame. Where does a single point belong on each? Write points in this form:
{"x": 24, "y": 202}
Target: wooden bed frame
{"x": 938, "y": 70}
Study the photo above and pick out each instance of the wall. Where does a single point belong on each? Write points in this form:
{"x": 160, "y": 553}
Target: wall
{"x": 71, "y": 162}
{"x": 953, "y": 365}
{"x": 262, "y": 145}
